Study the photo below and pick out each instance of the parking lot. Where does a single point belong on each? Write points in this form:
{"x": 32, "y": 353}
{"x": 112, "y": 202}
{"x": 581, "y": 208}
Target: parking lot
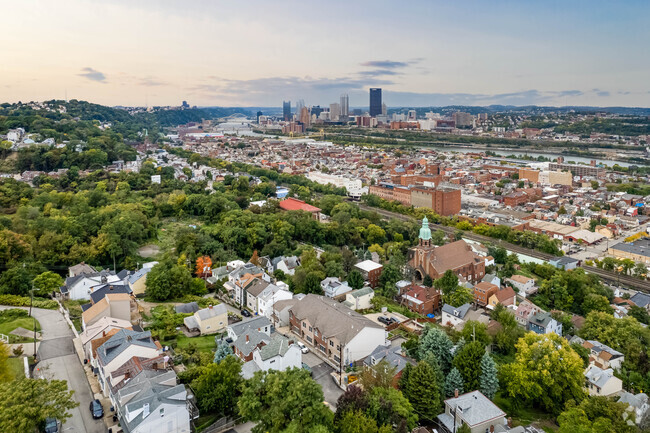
{"x": 375, "y": 317}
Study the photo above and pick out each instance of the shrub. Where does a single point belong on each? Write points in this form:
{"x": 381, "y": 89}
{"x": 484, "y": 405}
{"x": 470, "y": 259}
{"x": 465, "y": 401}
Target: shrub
{"x": 24, "y": 301}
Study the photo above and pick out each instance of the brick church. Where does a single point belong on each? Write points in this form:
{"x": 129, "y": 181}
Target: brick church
{"x": 428, "y": 259}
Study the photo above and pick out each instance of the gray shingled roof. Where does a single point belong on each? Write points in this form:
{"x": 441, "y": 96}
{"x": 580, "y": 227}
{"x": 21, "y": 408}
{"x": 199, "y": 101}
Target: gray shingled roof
{"x": 216, "y": 310}
{"x": 599, "y": 377}
{"x": 255, "y": 338}
{"x": 641, "y": 299}
{"x": 392, "y": 355}
{"x": 459, "y": 312}
{"x": 278, "y": 346}
{"x": 103, "y": 290}
{"x": 640, "y": 247}
{"x": 331, "y": 318}
{"x": 149, "y": 387}
{"x": 476, "y": 408}
{"x": 257, "y": 287}
{"x": 119, "y": 342}
{"x": 240, "y": 328}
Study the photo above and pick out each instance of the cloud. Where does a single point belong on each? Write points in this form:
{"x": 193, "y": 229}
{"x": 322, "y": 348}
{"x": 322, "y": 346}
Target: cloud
{"x": 386, "y": 64}
{"x": 93, "y": 75}
{"x": 603, "y": 93}
{"x": 378, "y": 72}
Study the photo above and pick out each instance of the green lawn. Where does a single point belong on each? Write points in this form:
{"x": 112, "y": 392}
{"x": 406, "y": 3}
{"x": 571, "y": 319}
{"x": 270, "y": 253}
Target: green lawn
{"x": 204, "y": 343}
{"x": 17, "y": 366}
{"x": 20, "y": 322}
{"x": 74, "y": 308}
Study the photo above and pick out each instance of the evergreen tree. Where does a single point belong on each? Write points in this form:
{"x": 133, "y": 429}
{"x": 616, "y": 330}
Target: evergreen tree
{"x": 488, "y": 383}
{"x": 223, "y": 350}
{"x": 435, "y": 340}
{"x": 355, "y": 279}
{"x": 453, "y": 382}
{"x": 468, "y": 361}
{"x": 424, "y": 391}
{"x": 427, "y": 282}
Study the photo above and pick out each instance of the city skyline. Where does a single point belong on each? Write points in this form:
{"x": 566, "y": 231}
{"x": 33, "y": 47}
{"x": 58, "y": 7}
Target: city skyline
{"x": 259, "y": 54}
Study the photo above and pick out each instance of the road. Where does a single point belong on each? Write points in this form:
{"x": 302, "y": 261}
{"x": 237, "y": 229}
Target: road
{"x": 58, "y": 360}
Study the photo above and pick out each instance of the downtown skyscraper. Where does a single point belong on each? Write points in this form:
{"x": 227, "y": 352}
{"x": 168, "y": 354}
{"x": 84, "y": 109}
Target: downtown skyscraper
{"x": 375, "y": 102}
{"x": 345, "y": 105}
{"x": 286, "y": 110}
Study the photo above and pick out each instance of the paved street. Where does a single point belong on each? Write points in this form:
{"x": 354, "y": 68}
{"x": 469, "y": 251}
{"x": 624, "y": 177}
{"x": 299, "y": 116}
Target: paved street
{"x": 59, "y": 361}
{"x": 322, "y": 374}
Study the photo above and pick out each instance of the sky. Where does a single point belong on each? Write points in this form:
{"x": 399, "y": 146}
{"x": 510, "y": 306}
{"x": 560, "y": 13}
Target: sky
{"x": 261, "y": 52}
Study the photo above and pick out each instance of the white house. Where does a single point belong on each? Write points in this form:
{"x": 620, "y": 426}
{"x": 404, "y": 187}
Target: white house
{"x": 333, "y": 287}
{"x": 637, "y": 404}
{"x": 153, "y": 402}
{"x": 454, "y": 316}
{"x": 523, "y": 285}
{"x": 259, "y": 323}
{"x": 269, "y": 296}
{"x": 121, "y": 347}
{"x": 602, "y": 382}
{"x": 81, "y": 286}
{"x": 287, "y": 265}
{"x": 279, "y": 354}
{"x": 359, "y": 299}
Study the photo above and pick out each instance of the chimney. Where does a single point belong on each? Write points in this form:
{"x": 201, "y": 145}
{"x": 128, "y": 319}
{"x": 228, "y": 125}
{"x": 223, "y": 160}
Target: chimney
{"x": 456, "y": 393}
{"x": 103, "y": 333}
{"x": 210, "y": 306}
{"x": 247, "y": 339}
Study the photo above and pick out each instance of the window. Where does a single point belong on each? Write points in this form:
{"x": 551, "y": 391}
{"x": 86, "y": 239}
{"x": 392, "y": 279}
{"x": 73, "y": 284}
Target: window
{"x": 304, "y": 325}
{"x": 310, "y": 329}
{"x": 331, "y": 343}
{"x": 309, "y": 339}
{"x": 162, "y": 412}
{"x": 272, "y": 361}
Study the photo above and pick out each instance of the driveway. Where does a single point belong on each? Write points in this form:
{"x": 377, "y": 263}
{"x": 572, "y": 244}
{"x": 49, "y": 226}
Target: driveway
{"x": 58, "y": 360}
{"x": 322, "y": 374}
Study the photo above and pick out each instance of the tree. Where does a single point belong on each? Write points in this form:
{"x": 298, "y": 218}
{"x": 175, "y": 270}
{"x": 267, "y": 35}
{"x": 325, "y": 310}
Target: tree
{"x": 468, "y": 361}
{"x": 223, "y": 350}
{"x": 546, "y": 371}
{"x": 595, "y": 415}
{"x": 354, "y": 399}
{"x": 461, "y": 295}
{"x": 380, "y": 375}
{"x": 16, "y": 281}
{"x": 46, "y": 283}
{"x": 167, "y": 280}
{"x": 355, "y": 279}
{"x": 375, "y": 234}
{"x": 475, "y": 331}
{"x": 640, "y": 314}
{"x": 427, "y": 282}
{"x": 464, "y": 428}
{"x": 276, "y": 399}
{"x": 447, "y": 283}
{"x": 389, "y": 276}
{"x": 356, "y": 422}
{"x": 488, "y": 383}
{"x": 388, "y": 406}
{"x": 217, "y": 386}
{"x": 312, "y": 284}
{"x": 434, "y": 340}
{"x": 453, "y": 382}
{"x": 5, "y": 373}
{"x": 25, "y": 403}
{"x": 424, "y": 391}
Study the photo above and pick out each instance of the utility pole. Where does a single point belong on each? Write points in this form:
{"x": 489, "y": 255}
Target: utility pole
{"x": 31, "y": 304}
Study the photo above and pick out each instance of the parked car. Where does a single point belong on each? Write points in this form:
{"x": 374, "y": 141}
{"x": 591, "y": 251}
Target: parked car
{"x": 308, "y": 368}
{"x": 245, "y": 313}
{"x": 52, "y": 425}
{"x": 96, "y": 409}
{"x": 303, "y": 348}
{"x": 385, "y": 320}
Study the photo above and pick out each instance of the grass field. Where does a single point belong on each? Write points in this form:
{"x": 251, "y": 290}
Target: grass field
{"x": 525, "y": 415}
{"x": 20, "y": 322}
{"x": 204, "y": 343}
{"x": 17, "y": 366}
{"x": 74, "y": 308}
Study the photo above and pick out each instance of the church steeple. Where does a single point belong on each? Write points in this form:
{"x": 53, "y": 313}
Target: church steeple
{"x": 425, "y": 233}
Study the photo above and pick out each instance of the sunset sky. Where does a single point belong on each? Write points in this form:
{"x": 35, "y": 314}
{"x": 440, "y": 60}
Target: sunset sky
{"x": 257, "y": 53}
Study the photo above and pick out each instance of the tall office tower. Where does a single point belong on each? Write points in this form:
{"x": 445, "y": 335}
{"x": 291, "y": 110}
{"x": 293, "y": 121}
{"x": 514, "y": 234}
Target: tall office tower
{"x": 299, "y": 104}
{"x": 335, "y": 112}
{"x": 304, "y": 116}
{"x": 375, "y": 101}
{"x": 259, "y": 113}
{"x": 286, "y": 110}
{"x": 345, "y": 105}
{"x": 384, "y": 109}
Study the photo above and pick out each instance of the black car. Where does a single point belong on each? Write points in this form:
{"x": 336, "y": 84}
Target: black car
{"x": 245, "y": 313}
{"x": 384, "y": 320}
{"x": 52, "y": 425}
{"x": 96, "y": 409}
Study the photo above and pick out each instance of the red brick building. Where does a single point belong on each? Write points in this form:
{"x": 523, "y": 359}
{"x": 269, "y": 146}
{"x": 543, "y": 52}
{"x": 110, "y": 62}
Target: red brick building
{"x": 370, "y": 271}
{"x": 420, "y": 299}
{"x": 443, "y": 201}
{"x": 483, "y": 291}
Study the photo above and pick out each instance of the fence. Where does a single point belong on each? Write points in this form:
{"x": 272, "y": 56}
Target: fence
{"x": 221, "y": 425}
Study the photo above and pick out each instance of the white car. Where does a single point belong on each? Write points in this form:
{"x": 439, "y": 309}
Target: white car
{"x": 303, "y": 348}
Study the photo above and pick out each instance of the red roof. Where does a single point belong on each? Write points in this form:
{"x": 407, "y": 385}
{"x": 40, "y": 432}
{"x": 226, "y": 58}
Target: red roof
{"x": 295, "y": 204}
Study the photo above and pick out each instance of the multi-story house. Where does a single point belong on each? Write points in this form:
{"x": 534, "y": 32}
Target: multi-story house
{"x": 333, "y": 330}
{"x": 474, "y": 410}
{"x": 544, "y": 323}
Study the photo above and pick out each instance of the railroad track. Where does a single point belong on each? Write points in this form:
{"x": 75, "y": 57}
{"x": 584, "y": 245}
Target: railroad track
{"x": 612, "y": 277}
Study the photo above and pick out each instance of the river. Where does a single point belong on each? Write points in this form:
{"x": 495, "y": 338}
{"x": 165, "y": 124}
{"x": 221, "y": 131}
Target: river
{"x": 551, "y": 156}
